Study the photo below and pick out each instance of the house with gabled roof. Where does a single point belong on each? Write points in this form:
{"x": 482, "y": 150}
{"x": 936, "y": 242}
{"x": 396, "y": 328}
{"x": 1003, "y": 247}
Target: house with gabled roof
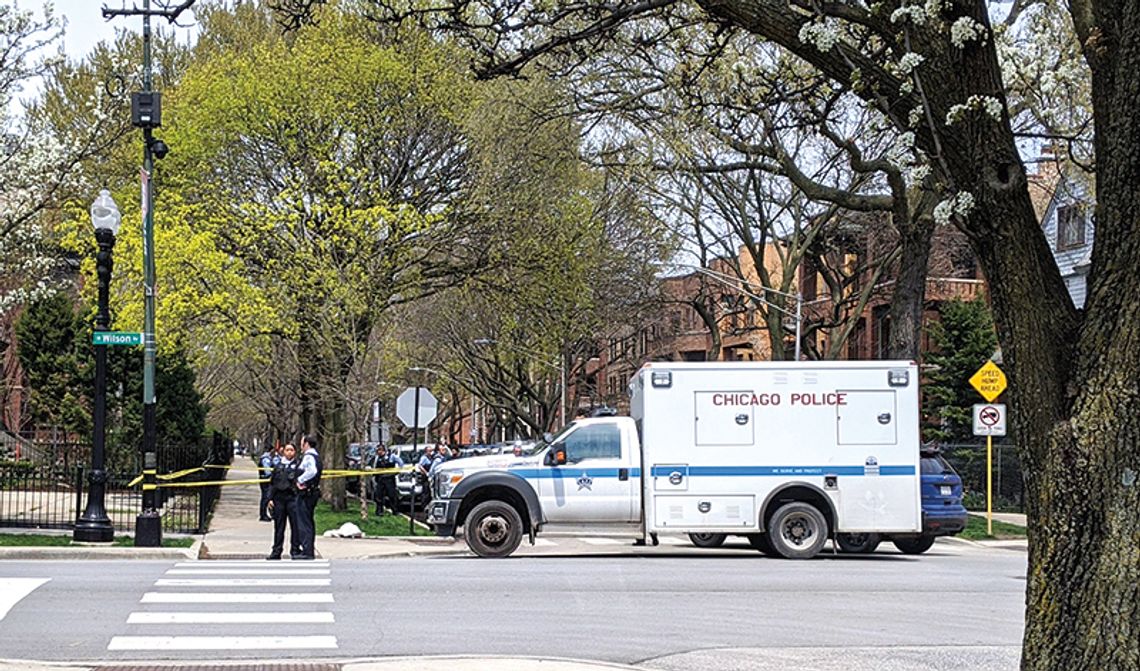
{"x": 1068, "y": 223}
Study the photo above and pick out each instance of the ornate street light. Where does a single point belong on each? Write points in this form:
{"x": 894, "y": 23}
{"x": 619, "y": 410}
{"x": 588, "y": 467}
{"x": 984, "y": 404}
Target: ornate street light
{"x": 93, "y": 526}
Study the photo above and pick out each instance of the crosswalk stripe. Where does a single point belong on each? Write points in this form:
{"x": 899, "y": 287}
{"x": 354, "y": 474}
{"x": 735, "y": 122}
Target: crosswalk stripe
{"x": 292, "y": 617}
{"x": 243, "y": 582}
{"x": 601, "y": 541}
{"x": 14, "y": 589}
{"x": 248, "y": 571}
{"x": 543, "y": 543}
{"x": 234, "y": 597}
{"x": 220, "y": 642}
{"x": 668, "y": 540}
{"x": 255, "y": 563}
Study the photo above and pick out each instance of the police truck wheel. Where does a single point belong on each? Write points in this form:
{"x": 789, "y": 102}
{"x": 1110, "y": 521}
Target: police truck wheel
{"x": 493, "y": 529}
{"x": 857, "y": 543}
{"x": 797, "y": 531}
{"x": 707, "y": 540}
{"x": 913, "y": 546}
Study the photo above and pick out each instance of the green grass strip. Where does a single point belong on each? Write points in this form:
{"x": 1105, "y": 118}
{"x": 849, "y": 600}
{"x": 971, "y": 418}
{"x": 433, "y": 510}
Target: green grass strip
{"x": 976, "y": 530}
{"x": 387, "y": 525}
{"x": 51, "y": 540}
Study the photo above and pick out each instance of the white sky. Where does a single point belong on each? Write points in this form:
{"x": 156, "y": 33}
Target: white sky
{"x": 85, "y": 27}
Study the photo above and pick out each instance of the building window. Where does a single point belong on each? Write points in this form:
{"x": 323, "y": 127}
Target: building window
{"x": 1070, "y": 227}
{"x": 855, "y": 340}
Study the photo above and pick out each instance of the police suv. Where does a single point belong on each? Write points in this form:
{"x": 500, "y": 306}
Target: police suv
{"x": 788, "y": 454}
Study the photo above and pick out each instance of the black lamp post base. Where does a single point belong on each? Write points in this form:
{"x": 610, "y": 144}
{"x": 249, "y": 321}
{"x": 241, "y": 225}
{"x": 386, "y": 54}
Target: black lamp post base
{"x": 93, "y": 531}
{"x": 148, "y": 530}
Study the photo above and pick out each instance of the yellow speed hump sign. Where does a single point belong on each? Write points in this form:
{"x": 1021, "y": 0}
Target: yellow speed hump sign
{"x": 989, "y": 381}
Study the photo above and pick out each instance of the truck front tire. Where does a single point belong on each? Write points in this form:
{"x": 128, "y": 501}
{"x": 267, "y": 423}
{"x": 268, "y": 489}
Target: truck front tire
{"x": 707, "y": 540}
{"x": 493, "y": 529}
{"x": 797, "y": 530}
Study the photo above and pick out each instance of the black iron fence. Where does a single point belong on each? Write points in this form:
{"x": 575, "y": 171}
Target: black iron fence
{"x": 969, "y": 460}
{"x": 47, "y": 487}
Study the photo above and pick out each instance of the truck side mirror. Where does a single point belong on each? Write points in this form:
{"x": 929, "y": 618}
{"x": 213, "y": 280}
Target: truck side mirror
{"x": 556, "y": 457}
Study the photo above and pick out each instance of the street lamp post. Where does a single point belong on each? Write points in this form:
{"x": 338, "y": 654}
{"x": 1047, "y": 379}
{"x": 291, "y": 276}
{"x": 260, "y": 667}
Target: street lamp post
{"x": 93, "y": 526}
{"x": 560, "y": 366}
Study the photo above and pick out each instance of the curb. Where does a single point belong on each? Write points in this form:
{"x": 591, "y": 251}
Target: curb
{"x": 402, "y": 663}
{"x": 86, "y": 553}
{"x": 1016, "y": 545}
{"x": 362, "y": 548}
{"x": 480, "y": 662}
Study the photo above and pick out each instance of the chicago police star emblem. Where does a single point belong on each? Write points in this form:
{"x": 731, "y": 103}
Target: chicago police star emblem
{"x": 585, "y": 482}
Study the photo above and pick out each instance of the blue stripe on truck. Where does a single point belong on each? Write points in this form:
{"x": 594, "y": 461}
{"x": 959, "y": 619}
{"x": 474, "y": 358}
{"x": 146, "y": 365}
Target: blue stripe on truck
{"x": 569, "y": 471}
{"x": 752, "y": 471}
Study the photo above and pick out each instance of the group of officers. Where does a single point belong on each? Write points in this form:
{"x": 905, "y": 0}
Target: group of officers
{"x": 384, "y": 485}
{"x": 290, "y": 489}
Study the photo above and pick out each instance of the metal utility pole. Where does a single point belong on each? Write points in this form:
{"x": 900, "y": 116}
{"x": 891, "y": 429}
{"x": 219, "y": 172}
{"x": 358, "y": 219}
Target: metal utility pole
{"x": 146, "y": 113}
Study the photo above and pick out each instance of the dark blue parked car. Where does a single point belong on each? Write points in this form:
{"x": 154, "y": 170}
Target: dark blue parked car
{"x": 942, "y": 511}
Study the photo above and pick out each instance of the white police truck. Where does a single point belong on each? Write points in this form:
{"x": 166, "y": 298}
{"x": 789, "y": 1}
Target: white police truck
{"x": 787, "y": 454}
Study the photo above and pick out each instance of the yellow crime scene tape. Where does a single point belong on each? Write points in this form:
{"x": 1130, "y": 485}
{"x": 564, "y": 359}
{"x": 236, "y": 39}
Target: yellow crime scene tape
{"x": 331, "y": 473}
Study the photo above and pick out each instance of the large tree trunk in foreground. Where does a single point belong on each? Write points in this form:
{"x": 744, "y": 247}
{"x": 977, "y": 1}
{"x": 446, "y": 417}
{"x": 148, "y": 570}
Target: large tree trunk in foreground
{"x": 1074, "y": 402}
{"x": 1084, "y": 583}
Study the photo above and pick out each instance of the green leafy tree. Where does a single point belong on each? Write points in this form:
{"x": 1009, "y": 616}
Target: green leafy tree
{"x": 56, "y": 366}
{"x": 180, "y": 414}
{"x": 964, "y": 339}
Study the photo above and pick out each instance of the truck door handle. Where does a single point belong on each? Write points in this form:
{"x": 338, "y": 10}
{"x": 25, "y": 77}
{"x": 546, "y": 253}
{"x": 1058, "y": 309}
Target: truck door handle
{"x": 623, "y": 474}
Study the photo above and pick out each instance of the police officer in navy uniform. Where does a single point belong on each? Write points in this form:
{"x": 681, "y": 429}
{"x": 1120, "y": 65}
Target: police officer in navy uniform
{"x": 269, "y": 459}
{"x": 384, "y": 486}
{"x": 283, "y": 503}
{"x": 308, "y": 493}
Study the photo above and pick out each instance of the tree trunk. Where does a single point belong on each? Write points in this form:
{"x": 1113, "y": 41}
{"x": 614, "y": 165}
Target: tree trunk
{"x": 1084, "y": 599}
{"x": 708, "y": 318}
{"x": 334, "y": 440}
{"x": 909, "y": 297}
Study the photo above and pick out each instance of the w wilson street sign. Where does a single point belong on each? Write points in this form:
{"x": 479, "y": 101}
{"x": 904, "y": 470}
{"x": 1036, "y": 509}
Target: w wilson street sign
{"x": 116, "y": 338}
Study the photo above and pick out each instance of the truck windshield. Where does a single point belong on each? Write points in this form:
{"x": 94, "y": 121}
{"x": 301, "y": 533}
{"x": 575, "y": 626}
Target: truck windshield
{"x": 541, "y": 444}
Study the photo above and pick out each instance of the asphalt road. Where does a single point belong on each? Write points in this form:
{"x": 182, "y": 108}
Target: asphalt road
{"x": 956, "y": 607}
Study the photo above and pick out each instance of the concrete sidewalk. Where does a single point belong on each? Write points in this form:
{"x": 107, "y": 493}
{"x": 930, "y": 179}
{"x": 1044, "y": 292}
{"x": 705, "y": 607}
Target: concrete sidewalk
{"x": 430, "y": 663}
{"x": 236, "y": 533}
{"x": 1008, "y": 518}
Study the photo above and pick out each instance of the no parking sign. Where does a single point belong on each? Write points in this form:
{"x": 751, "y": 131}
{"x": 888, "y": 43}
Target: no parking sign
{"x": 989, "y": 419}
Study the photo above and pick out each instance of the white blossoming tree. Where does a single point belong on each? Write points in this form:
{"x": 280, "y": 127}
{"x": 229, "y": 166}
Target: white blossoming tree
{"x": 29, "y": 160}
{"x": 44, "y": 150}
{"x": 1074, "y": 401}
